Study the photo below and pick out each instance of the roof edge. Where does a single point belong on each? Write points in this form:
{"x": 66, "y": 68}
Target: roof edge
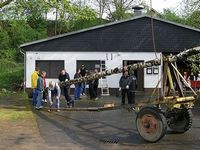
{"x": 106, "y": 25}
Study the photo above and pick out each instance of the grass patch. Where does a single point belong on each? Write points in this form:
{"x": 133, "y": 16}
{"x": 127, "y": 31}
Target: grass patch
{"x": 15, "y": 107}
{"x": 12, "y": 114}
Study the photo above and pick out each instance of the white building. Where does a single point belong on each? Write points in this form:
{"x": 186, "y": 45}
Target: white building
{"x": 109, "y": 46}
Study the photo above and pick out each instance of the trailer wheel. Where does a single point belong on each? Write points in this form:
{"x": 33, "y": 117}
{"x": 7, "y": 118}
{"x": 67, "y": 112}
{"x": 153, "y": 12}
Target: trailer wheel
{"x": 151, "y": 124}
{"x": 180, "y": 120}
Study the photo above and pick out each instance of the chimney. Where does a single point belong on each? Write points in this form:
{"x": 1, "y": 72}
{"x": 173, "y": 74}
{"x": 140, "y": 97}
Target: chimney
{"x": 138, "y": 10}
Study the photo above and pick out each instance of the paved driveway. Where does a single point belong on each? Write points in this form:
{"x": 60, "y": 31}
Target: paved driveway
{"x": 114, "y": 129}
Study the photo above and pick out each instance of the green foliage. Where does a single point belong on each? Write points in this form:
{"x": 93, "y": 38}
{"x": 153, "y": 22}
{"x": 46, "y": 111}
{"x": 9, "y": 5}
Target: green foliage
{"x": 10, "y": 56}
{"x": 16, "y": 32}
{"x": 7, "y": 66}
{"x": 67, "y": 14}
{"x": 81, "y": 24}
{"x": 20, "y": 32}
{"x": 120, "y": 14}
{"x": 11, "y": 79}
{"x": 195, "y": 66}
{"x": 194, "y": 19}
{"x": 4, "y": 39}
{"x": 171, "y": 16}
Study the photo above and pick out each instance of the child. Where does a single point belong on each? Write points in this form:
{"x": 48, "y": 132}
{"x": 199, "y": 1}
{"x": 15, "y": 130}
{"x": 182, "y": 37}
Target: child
{"x": 54, "y": 90}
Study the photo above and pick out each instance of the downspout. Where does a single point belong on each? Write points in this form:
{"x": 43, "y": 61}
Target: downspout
{"x": 24, "y": 81}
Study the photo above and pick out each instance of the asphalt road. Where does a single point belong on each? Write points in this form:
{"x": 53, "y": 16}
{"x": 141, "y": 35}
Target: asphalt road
{"x": 113, "y": 129}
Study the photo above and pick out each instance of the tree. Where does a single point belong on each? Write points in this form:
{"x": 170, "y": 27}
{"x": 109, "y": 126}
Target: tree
{"x": 4, "y": 39}
{"x": 69, "y": 12}
{"x": 101, "y": 7}
{"x": 120, "y": 9}
{"x": 194, "y": 19}
{"x": 171, "y": 16}
{"x": 2, "y": 4}
{"x": 193, "y": 63}
{"x": 190, "y": 6}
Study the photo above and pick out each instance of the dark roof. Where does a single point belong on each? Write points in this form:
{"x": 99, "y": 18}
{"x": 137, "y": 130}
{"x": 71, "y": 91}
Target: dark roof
{"x": 132, "y": 35}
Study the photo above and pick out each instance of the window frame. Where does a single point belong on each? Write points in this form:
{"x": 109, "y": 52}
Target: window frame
{"x": 48, "y": 68}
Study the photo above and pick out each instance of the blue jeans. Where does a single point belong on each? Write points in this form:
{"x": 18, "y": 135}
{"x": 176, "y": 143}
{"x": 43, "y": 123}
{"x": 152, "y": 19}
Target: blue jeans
{"x": 53, "y": 94}
{"x": 35, "y": 94}
{"x": 77, "y": 91}
{"x": 83, "y": 88}
{"x": 39, "y": 99}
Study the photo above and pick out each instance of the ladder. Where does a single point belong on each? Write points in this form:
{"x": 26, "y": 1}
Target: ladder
{"x": 103, "y": 81}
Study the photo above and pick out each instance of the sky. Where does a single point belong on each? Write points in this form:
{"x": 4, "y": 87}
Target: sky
{"x": 159, "y": 5}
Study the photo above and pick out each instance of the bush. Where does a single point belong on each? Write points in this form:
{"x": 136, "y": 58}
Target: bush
{"x": 12, "y": 79}
{"x": 7, "y": 66}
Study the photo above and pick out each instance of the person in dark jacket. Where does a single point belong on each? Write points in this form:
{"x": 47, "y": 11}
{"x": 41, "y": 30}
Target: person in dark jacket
{"x": 77, "y": 89}
{"x": 132, "y": 88}
{"x": 124, "y": 86}
{"x": 44, "y": 92}
{"x": 91, "y": 86}
{"x": 96, "y": 83}
{"x": 63, "y": 77}
{"x": 83, "y": 74}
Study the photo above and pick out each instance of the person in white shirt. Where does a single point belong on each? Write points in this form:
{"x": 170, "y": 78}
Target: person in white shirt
{"x": 54, "y": 91}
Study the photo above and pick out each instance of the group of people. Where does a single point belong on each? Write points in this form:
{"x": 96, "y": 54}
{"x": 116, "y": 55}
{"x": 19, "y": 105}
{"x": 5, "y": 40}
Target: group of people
{"x": 38, "y": 84}
{"x": 191, "y": 77}
{"x": 127, "y": 86}
{"x": 55, "y": 89}
{"x": 80, "y": 87}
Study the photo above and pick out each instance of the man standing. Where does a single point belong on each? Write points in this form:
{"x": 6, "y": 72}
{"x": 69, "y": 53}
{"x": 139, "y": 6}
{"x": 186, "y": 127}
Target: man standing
{"x": 83, "y": 73}
{"x": 132, "y": 88}
{"x": 44, "y": 81}
{"x": 34, "y": 78}
{"x": 77, "y": 89}
{"x": 124, "y": 86}
{"x": 91, "y": 86}
{"x": 96, "y": 83}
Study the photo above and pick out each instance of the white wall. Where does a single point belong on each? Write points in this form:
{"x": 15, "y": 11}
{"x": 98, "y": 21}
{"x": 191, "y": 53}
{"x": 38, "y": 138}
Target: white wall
{"x": 112, "y": 60}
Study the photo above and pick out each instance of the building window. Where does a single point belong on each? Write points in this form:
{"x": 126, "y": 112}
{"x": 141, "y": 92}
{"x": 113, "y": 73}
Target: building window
{"x": 155, "y": 70}
{"x": 92, "y": 64}
{"x": 149, "y": 70}
{"x": 52, "y": 67}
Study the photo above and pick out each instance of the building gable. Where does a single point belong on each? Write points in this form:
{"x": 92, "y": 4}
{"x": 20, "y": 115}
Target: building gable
{"x": 134, "y": 35}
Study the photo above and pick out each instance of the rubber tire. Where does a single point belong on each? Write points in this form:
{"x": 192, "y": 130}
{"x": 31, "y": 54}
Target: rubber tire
{"x": 161, "y": 121}
{"x": 183, "y": 122}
